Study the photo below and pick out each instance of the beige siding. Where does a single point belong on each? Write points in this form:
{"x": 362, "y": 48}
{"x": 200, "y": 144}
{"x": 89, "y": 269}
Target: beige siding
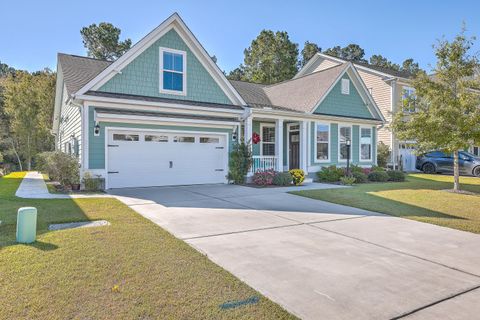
{"x": 323, "y": 64}
{"x": 381, "y": 92}
{"x": 70, "y": 125}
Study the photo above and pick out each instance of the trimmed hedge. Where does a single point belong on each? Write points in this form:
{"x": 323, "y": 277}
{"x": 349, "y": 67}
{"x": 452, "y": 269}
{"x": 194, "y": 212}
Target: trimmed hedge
{"x": 396, "y": 175}
{"x": 378, "y": 176}
{"x": 360, "y": 177}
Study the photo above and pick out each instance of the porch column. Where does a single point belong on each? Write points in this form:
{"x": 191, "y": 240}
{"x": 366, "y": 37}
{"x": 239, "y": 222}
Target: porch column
{"x": 248, "y": 129}
{"x": 303, "y": 145}
{"x": 279, "y": 144}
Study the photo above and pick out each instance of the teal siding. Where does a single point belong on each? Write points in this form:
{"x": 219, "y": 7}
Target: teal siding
{"x": 142, "y": 75}
{"x": 351, "y": 105}
{"x": 97, "y": 144}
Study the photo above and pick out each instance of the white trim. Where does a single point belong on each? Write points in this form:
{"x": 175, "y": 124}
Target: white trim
{"x": 266, "y": 125}
{"x": 360, "y": 144}
{"x": 341, "y": 61}
{"x": 316, "y": 160}
{"x": 162, "y": 50}
{"x": 289, "y": 125}
{"x": 295, "y": 116}
{"x": 113, "y": 102}
{"x": 107, "y": 135}
{"x": 304, "y": 146}
{"x": 175, "y": 22}
{"x": 85, "y": 136}
{"x": 160, "y": 120}
{"x": 341, "y": 125}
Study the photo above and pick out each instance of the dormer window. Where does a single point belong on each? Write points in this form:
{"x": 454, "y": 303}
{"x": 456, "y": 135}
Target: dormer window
{"x": 345, "y": 86}
{"x": 173, "y": 71}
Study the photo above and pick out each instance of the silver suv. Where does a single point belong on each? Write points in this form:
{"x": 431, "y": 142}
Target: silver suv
{"x": 438, "y": 161}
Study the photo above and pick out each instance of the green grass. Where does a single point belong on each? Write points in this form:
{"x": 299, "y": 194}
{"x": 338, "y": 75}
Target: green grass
{"x": 132, "y": 269}
{"x": 422, "y": 197}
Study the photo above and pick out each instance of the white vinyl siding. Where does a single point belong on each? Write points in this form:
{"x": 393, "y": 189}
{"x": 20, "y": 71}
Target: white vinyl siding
{"x": 323, "y": 64}
{"x": 70, "y": 128}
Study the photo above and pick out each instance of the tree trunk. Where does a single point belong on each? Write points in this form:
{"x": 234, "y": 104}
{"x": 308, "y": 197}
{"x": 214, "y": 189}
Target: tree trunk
{"x": 16, "y": 154}
{"x": 456, "y": 172}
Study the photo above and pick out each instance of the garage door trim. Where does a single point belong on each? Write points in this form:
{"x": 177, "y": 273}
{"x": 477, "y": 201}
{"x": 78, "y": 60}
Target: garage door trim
{"x": 129, "y": 129}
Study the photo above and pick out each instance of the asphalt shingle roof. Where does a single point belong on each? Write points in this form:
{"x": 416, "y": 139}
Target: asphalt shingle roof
{"x": 300, "y": 94}
{"x": 78, "y": 71}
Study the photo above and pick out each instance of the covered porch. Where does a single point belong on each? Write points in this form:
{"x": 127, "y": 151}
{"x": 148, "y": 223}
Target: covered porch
{"x": 282, "y": 146}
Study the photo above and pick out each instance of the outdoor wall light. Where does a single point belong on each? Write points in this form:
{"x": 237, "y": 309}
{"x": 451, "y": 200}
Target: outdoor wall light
{"x": 234, "y": 135}
{"x": 96, "y": 130}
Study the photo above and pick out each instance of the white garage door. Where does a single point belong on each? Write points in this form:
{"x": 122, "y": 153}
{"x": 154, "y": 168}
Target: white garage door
{"x": 144, "y": 159}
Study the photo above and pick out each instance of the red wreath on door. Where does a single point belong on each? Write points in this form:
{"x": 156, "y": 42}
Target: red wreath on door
{"x": 255, "y": 138}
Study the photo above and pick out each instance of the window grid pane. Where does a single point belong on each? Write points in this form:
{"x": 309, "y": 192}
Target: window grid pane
{"x": 322, "y": 141}
{"x": 345, "y": 133}
{"x": 268, "y": 134}
{"x": 268, "y": 149}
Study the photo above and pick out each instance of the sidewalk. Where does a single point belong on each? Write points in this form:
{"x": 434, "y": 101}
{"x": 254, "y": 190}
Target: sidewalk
{"x": 33, "y": 187}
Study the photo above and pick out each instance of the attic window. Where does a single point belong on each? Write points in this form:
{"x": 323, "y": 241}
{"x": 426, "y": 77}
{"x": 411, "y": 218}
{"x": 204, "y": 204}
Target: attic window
{"x": 173, "y": 71}
{"x": 345, "y": 86}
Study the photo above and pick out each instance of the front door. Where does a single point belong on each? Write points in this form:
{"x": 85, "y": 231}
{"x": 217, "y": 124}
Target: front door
{"x": 294, "y": 150}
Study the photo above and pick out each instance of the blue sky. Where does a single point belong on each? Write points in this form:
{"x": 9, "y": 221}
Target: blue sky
{"x": 32, "y": 32}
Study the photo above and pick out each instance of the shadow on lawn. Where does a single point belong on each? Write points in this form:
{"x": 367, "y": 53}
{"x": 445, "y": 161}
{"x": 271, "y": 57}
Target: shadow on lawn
{"x": 48, "y": 211}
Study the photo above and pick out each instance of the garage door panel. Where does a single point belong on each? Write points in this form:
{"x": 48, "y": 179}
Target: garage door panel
{"x": 160, "y": 158}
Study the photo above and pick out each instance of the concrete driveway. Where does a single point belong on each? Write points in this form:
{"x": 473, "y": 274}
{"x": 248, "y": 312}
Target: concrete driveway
{"x": 321, "y": 260}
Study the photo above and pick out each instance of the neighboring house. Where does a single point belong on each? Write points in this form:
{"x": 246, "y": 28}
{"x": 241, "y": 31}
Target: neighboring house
{"x": 389, "y": 88}
{"x": 164, "y": 114}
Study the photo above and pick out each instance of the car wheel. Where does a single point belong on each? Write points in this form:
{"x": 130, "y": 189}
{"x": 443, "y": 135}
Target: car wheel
{"x": 476, "y": 171}
{"x": 428, "y": 168}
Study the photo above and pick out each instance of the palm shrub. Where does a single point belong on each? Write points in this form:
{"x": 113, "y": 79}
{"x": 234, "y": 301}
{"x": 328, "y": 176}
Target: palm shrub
{"x": 348, "y": 181}
{"x": 298, "y": 175}
{"x": 282, "y": 179}
{"x": 240, "y": 162}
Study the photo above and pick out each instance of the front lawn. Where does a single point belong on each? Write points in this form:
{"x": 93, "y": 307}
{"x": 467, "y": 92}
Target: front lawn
{"x": 132, "y": 269}
{"x": 422, "y": 197}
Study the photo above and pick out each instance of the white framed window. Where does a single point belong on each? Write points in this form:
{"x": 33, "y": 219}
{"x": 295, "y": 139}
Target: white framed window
{"x": 344, "y": 134}
{"x": 125, "y": 137}
{"x": 267, "y": 139}
{"x": 209, "y": 140}
{"x": 408, "y": 100}
{"x": 155, "y": 138}
{"x": 184, "y": 139}
{"x": 366, "y": 134}
{"x": 322, "y": 145}
{"x": 345, "y": 86}
{"x": 173, "y": 71}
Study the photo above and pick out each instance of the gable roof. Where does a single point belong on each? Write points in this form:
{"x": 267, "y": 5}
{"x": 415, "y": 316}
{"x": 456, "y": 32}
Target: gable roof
{"x": 303, "y": 94}
{"x": 176, "y": 23}
{"x": 361, "y": 65}
{"x": 78, "y": 71}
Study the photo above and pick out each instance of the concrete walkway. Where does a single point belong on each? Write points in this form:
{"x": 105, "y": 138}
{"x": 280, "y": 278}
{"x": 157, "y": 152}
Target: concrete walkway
{"x": 321, "y": 260}
{"x": 33, "y": 187}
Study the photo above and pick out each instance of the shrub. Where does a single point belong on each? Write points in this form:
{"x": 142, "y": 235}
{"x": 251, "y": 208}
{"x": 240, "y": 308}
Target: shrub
{"x": 240, "y": 162}
{"x": 282, "y": 179}
{"x": 360, "y": 177}
{"x": 378, "y": 176}
{"x": 383, "y": 154}
{"x": 396, "y": 175}
{"x": 330, "y": 174}
{"x": 377, "y": 169}
{"x": 60, "y": 167}
{"x": 91, "y": 183}
{"x": 347, "y": 180}
{"x": 264, "y": 178}
{"x": 297, "y": 176}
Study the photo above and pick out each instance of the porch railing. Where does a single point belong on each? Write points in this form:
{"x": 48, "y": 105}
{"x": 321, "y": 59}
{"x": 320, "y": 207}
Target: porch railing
{"x": 263, "y": 163}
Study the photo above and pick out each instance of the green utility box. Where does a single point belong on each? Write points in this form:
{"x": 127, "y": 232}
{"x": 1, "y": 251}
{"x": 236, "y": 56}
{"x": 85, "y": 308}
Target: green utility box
{"x": 26, "y": 225}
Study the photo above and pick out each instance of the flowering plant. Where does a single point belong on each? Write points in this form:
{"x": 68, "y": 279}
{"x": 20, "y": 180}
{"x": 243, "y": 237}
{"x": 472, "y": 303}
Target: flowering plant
{"x": 264, "y": 178}
{"x": 255, "y": 138}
